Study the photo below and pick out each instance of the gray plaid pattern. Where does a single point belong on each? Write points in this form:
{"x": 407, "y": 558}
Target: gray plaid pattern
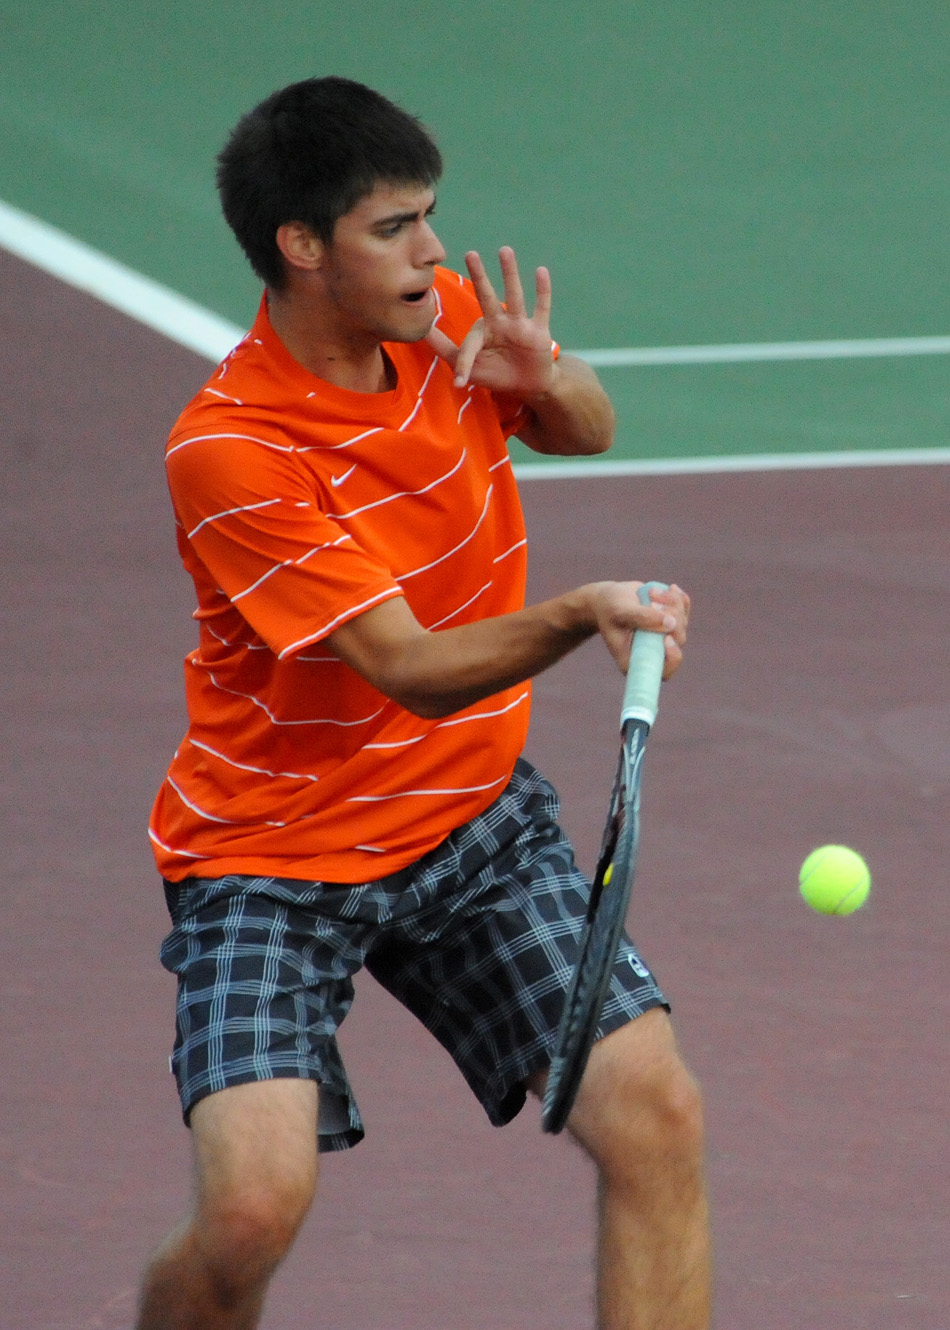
{"x": 478, "y": 939}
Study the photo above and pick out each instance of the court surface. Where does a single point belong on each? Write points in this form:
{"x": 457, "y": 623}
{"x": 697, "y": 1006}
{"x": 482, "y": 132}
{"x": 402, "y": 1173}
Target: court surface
{"x": 696, "y": 175}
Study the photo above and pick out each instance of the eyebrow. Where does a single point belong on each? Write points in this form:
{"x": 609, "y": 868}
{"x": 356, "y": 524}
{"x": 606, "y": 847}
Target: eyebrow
{"x": 408, "y": 216}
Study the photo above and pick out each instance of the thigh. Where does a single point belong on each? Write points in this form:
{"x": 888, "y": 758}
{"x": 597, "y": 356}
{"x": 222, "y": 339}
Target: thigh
{"x": 255, "y": 1151}
{"x": 257, "y": 1138}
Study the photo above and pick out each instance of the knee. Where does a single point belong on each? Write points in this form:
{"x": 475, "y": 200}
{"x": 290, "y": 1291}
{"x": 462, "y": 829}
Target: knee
{"x": 246, "y": 1232}
{"x": 674, "y": 1111}
{"x": 643, "y": 1117}
{"x": 658, "y": 1118}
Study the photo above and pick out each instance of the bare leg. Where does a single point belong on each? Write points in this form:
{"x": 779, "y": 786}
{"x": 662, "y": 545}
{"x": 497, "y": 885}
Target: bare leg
{"x": 638, "y": 1116}
{"x": 255, "y": 1149}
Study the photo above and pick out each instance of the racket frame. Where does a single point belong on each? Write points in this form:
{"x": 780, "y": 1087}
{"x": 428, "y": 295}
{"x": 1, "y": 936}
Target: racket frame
{"x": 609, "y": 899}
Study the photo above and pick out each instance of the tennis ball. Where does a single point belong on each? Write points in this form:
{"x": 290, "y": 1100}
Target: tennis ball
{"x": 834, "y": 880}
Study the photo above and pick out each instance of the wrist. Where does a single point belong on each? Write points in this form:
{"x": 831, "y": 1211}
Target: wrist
{"x": 545, "y": 394}
{"x": 572, "y": 615}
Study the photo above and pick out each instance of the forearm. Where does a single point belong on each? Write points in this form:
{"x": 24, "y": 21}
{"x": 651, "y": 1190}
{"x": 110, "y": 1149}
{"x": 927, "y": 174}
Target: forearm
{"x": 574, "y": 417}
{"x": 437, "y": 673}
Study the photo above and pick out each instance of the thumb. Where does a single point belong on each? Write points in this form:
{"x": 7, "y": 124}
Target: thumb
{"x": 443, "y": 346}
{"x": 468, "y": 351}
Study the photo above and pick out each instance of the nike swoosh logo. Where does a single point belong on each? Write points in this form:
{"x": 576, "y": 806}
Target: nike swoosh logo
{"x": 338, "y": 480}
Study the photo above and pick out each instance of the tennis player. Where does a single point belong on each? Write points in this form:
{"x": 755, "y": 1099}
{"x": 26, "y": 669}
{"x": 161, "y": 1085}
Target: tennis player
{"x": 351, "y": 790}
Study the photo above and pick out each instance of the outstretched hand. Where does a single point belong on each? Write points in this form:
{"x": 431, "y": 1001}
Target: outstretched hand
{"x": 506, "y": 350}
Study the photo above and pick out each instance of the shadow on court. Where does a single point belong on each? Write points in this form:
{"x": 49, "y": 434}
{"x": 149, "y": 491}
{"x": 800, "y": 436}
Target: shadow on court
{"x": 814, "y": 707}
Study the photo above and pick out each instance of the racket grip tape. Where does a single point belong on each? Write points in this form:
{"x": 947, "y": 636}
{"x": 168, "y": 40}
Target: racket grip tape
{"x": 647, "y": 656}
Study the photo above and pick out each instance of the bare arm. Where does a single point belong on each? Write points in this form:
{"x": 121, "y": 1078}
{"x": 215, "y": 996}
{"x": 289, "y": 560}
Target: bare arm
{"x": 510, "y": 351}
{"x": 436, "y": 673}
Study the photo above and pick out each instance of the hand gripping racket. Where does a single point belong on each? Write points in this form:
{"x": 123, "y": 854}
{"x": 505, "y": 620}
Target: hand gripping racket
{"x": 613, "y": 880}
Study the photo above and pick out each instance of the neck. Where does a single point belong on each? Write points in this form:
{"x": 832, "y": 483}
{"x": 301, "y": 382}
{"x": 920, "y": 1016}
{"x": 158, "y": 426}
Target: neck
{"x": 357, "y": 364}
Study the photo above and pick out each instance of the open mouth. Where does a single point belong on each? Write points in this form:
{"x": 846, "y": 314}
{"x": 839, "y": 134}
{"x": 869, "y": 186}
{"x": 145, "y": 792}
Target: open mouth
{"x": 414, "y": 297}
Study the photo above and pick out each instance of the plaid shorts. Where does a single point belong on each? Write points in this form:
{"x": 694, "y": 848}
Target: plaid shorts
{"x": 477, "y": 939}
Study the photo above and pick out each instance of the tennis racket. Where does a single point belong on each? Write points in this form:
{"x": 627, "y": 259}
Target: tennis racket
{"x": 613, "y": 880}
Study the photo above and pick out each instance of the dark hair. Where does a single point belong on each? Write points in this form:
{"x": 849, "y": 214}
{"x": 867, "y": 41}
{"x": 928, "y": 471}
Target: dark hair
{"x": 309, "y": 153}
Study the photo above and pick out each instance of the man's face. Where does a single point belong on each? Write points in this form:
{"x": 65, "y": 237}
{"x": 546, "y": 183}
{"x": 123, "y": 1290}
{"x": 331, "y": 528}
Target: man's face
{"x": 379, "y": 269}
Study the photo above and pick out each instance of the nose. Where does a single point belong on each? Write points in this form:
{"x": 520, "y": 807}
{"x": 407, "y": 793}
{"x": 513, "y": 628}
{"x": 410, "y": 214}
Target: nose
{"x": 431, "y": 250}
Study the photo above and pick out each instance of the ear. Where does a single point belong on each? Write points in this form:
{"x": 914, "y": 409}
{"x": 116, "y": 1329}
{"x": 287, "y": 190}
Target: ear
{"x": 300, "y": 247}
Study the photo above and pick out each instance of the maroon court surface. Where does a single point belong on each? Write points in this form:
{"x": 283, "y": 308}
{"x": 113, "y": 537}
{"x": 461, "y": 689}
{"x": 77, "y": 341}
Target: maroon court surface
{"x": 814, "y": 707}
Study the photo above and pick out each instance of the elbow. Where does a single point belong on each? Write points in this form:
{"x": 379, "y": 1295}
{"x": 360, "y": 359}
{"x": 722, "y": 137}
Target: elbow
{"x": 585, "y": 435}
{"x": 418, "y": 694}
{"x": 597, "y": 443}
{"x": 418, "y": 673}
{"x": 600, "y": 433}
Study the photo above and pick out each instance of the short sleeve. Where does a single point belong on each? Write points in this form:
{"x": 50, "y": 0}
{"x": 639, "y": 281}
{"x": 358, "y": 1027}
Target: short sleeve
{"x": 248, "y": 514}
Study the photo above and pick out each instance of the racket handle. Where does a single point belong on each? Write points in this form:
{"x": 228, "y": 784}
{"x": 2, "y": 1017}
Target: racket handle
{"x": 641, "y": 696}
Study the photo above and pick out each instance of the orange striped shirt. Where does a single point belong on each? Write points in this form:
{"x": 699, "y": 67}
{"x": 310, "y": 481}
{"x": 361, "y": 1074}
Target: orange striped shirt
{"x": 299, "y": 505}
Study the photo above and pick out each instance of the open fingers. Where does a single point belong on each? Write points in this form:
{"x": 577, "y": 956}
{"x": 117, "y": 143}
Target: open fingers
{"x": 514, "y": 302}
{"x": 542, "y": 302}
{"x": 514, "y": 291}
{"x": 491, "y": 305}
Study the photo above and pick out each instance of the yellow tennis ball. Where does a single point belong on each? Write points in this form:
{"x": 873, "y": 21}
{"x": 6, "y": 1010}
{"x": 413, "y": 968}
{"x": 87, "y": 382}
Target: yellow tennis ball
{"x": 834, "y": 880}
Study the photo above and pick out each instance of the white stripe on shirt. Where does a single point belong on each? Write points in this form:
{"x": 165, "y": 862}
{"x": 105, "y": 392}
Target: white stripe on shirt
{"x": 406, "y": 794}
{"x": 414, "y": 572}
{"x": 229, "y": 512}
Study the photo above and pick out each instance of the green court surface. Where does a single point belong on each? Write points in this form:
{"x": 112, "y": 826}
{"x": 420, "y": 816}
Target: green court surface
{"x": 694, "y": 173}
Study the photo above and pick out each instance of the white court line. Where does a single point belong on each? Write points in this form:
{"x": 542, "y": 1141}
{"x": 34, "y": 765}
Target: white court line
{"x": 688, "y": 466}
{"x": 744, "y": 352}
{"x": 79, "y": 265}
{"x": 192, "y": 326}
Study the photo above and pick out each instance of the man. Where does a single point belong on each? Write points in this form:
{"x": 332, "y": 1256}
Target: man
{"x": 350, "y": 790}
